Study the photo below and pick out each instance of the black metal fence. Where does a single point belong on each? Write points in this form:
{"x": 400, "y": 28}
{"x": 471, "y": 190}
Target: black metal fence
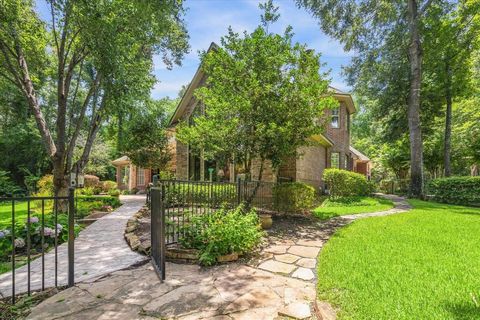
{"x": 29, "y": 237}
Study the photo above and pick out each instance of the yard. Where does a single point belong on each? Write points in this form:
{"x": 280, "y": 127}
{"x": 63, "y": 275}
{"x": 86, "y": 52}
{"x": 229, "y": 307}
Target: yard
{"x": 423, "y": 264}
{"x": 6, "y": 213}
{"x": 351, "y": 205}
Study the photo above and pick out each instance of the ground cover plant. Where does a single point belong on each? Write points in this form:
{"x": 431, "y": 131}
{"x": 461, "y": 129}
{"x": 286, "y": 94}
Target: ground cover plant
{"x": 222, "y": 232}
{"x": 350, "y": 205}
{"x": 417, "y": 265}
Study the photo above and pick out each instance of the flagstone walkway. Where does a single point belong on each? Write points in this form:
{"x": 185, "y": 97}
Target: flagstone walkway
{"x": 278, "y": 284}
{"x": 99, "y": 250}
{"x": 294, "y": 243}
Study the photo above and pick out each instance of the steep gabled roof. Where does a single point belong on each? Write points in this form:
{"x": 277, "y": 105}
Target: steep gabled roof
{"x": 199, "y": 75}
{"x": 360, "y": 155}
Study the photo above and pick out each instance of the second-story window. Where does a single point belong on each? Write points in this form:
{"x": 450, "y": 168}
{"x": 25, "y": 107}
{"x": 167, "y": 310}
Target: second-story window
{"x": 336, "y": 118}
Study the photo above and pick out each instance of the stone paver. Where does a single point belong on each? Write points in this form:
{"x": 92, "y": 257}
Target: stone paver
{"x": 99, "y": 249}
{"x": 277, "y": 266}
{"x": 297, "y": 310}
{"x": 306, "y": 263}
{"x": 232, "y": 291}
{"x": 304, "y": 274}
{"x": 305, "y": 252}
{"x": 287, "y": 258}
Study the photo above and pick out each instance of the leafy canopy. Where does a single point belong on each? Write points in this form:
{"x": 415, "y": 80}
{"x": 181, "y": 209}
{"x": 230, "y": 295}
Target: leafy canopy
{"x": 262, "y": 96}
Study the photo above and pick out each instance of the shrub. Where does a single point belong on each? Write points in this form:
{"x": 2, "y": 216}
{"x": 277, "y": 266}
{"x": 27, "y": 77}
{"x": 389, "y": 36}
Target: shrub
{"x": 114, "y": 192}
{"x": 86, "y": 204}
{"x": 343, "y": 183}
{"x": 45, "y": 185}
{"x": 456, "y": 190}
{"x": 35, "y": 234}
{"x": 294, "y": 197}
{"x": 108, "y": 185}
{"x": 222, "y": 232}
{"x": 7, "y": 186}
{"x": 200, "y": 194}
{"x": 91, "y": 180}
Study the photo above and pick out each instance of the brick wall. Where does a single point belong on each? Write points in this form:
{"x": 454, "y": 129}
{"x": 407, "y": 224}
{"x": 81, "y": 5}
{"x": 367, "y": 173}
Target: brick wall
{"x": 310, "y": 165}
{"x": 340, "y": 136}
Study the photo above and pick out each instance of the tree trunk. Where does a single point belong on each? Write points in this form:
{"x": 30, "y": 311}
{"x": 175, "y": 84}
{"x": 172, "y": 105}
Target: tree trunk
{"x": 60, "y": 184}
{"x": 448, "y": 122}
{"x": 414, "y": 125}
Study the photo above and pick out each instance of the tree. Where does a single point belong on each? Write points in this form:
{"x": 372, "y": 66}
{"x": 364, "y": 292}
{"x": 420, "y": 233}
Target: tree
{"x": 146, "y": 143}
{"x": 94, "y": 58}
{"x": 383, "y": 33}
{"x": 451, "y": 37}
{"x": 261, "y": 97}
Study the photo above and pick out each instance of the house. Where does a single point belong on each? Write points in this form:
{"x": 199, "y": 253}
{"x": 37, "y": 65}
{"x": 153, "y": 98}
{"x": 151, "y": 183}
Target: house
{"x": 331, "y": 149}
{"x": 130, "y": 177}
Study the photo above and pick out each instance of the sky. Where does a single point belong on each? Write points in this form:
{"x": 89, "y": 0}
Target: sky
{"x": 208, "y": 20}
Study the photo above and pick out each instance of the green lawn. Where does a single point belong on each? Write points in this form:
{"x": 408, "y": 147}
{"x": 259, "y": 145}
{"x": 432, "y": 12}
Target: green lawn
{"x": 6, "y": 213}
{"x": 351, "y": 205}
{"x": 424, "y": 264}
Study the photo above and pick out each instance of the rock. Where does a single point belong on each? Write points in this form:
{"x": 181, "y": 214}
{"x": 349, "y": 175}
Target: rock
{"x": 179, "y": 253}
{"x": 306, "y": 263}
{"x": 131, "y": 228}
{"x": 277, "y": 249}
{"x": 324, "y": 311}
{"x": 303, "y": 251}
{"x": 310, "y": 243}
{"x": 296, "y": 310}
{"x": 228, "y": 257}
{"x": 287, "y": 258}
{"x": 277, "y": 267}
{"x": 304, "y": 274}
{"x": 145, "y": 247}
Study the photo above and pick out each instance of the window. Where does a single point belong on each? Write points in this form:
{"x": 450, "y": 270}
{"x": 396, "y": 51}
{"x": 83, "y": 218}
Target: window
{"x": 336, "y": 118}
{"x": 335, "y": 160}
{"x": 140, "y": 177}
{"x": 346, "y": 163}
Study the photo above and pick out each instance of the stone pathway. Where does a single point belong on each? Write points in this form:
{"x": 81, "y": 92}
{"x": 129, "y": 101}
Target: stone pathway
{"x": 278, "y": 284}
{"x": 293, "y": 246}
{"x": 99, "y": 249}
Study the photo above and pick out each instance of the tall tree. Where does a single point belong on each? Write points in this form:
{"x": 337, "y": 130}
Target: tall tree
{"x": 261, "y": 97}
{"x": 98, "y": 57}
{"x": 382, "y": 33}
{"x": 451, "y": 37}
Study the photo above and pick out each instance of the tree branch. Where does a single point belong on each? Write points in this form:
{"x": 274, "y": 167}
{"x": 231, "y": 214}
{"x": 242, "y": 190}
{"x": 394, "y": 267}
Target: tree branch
{"x": 79, "y": 121}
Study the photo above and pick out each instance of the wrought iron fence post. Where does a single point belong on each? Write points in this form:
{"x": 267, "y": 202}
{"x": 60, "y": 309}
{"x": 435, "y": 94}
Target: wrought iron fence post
{"x": 162, "y": 231}
{"x": 239, "y": 195}
{"x": 71, "y": 236}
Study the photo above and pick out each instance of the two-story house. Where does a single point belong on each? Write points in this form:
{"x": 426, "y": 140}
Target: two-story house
{"x": 331, "y": 149}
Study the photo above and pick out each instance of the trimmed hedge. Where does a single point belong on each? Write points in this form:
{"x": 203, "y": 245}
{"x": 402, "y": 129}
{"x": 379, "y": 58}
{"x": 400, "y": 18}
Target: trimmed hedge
{"x": 456, "y": 190}
{"x": 200, "y": 194}
{"x": 293, "y": 197}
{"x": 343, "y": 183}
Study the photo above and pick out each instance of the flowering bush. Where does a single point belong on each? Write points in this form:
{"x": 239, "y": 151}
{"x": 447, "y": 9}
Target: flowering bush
{"x": 32, "y": 229}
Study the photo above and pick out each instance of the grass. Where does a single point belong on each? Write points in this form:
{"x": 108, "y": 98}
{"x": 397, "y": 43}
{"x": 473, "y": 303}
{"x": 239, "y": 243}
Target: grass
{"x": 351, "y": 205}
{"x": 423, "y": 264}
{"x": 6, "y": 213}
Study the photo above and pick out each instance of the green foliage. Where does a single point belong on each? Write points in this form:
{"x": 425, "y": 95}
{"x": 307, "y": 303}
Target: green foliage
{"x": 293, "y": 197}
{"x": 456, "y": 190}
{"x": 262, "y": 95}
{"x": 222, "y": 232}
{"x": 343, "y": 183}
{"x": 146, "y": 140}
{"x": 393, "y": 267}
{"x": 7, "y": 186}
{"x": 114, "y": 192}
{"x": 45, "y": 186}
{"x": 86, "y": 204}
{"x": 35, "y": 230}
{"x": 350, "y": 205}
{"x": 200, "y": 194}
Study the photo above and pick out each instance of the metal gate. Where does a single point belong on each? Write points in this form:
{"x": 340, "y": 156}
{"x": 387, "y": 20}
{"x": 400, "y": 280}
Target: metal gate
{"x": 33, "y": 239}
{"x": 158, "y": 229}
